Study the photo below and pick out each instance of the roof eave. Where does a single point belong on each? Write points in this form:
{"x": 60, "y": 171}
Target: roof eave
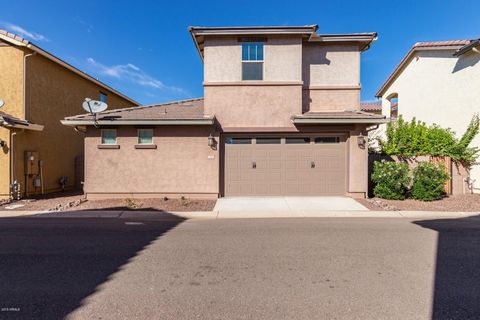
{"x": 339, "y": 121}
{"x": 34, "y": 48}
{"x": 30, "y": 126}
{"x": 73, "y": 122}
{"x": 260, "y": 30}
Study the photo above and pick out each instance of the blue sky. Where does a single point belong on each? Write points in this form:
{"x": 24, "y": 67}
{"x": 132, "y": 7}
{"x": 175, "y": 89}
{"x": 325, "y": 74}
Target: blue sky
{"x": 143, "y": 49}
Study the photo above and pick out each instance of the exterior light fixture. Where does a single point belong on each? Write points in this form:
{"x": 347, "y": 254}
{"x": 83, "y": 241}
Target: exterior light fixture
{"x": 211, "y": 141}
{"x": 3, "y": 143}
{"x": 361, "y": 141}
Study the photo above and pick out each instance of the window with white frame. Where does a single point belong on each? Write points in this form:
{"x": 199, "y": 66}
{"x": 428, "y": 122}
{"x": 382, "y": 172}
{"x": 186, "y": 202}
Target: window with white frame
{"x": 145, "y": 136}
{"x": 109, "y": 136}
{"x": 252, "y": 61}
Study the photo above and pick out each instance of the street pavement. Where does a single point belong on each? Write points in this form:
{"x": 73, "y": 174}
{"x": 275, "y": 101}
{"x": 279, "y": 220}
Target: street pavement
{"x": 295, "y": 268}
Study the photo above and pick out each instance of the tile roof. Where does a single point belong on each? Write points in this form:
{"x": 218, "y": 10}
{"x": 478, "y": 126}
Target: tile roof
{"x": 441, "y": 43}
{"x": 8, "y": 120}
{"x": 346, "y": 114}
{"x": 371, "y": 106}
{"x": 11, "y": 119}
{"x": 191, "y": 109}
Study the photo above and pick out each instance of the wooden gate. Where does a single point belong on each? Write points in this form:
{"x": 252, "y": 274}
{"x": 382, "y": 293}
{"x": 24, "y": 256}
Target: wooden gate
{"x": 446, "y": 162}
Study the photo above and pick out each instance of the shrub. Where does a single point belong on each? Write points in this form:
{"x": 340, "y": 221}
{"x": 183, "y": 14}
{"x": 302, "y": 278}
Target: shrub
{"x": 391, "y": 179}
{"x": 415, "y": 138}
{"x": 428, "y": 182}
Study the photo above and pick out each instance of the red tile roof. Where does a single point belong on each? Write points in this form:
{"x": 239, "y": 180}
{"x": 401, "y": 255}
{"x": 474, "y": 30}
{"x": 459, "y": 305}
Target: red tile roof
{"x": 441, "y": 43}
{"x": 371, "y": 106}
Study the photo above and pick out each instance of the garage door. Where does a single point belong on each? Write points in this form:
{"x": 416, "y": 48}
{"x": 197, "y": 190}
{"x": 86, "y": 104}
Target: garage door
{"x": 287, "y": 165}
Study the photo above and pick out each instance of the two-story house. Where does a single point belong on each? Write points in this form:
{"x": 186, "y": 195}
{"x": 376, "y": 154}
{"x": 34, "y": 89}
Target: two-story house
{"x": 280, "y": 116}
{"x": 37, "y": 90}
{"x": 437, "y": 82}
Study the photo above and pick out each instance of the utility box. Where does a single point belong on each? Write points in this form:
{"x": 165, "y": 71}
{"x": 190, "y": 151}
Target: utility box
{"x": 31, "y": 162}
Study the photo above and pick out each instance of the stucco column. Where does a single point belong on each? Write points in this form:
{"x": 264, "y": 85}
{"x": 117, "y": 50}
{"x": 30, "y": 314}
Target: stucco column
{"x": 358, "y": 163}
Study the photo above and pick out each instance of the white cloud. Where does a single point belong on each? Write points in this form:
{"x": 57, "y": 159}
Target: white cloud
{"x": 23, "y": 32}
{"x": 88, "y": 27}
{"x": 131, "y": 73}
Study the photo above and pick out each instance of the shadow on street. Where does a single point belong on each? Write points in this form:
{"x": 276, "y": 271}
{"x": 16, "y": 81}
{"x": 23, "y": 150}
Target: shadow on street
{"x": 457, "y": 275}
{"x": 49, "y": 265}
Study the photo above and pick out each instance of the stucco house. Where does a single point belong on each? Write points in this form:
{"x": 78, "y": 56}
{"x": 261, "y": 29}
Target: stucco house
{"x": 280, "y": 116}
{"x": 437, "y": 82}
{"x": 37, "y": 90}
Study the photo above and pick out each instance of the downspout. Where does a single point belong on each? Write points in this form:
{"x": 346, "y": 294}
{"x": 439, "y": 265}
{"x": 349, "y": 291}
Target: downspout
{"x": 12, "y": 156}
{"x": 25, "y": 82}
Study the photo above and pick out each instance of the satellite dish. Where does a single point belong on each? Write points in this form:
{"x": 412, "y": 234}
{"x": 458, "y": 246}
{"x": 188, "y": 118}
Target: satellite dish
{"x": 2, "y": 103}
{"x": 94, "y": 106}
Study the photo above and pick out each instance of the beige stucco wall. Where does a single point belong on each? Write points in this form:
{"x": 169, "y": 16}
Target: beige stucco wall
{"x": 358, "y": 163}
{"x": 329, "y": 65}
{"x": 183, "y": 164}
{"x": 11, "y": 92}
{"x": 52, "y": 93}
{"x": 253, "y": 106}
{"x": 282, "y": 59}
{"x": 331, "y": 76}
{"x": 316, "y": 100}
{"x": 436, "y": 87}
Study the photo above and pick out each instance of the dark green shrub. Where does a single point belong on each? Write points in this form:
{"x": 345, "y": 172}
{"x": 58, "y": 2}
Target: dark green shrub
{"x": 391, "y": 179}
{"x": 428, "y": 182}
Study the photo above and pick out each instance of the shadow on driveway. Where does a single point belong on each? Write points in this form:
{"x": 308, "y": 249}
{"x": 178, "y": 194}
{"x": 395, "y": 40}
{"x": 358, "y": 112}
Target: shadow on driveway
{"x": 49, "y": 265}
{"x": 457, "y": 275}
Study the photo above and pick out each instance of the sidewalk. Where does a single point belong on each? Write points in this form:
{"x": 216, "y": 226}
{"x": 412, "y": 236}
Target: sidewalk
{"x": 159, "y": 215}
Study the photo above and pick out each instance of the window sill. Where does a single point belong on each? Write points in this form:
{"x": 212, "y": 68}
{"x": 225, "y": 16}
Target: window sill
{"x": 108, "y": 146}
{"x": 145, "y": 146}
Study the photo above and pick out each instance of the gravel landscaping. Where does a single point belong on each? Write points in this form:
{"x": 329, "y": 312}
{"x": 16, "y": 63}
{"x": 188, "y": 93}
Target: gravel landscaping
{"x": 460, "y": 203}
{"x": 75, "y": 201}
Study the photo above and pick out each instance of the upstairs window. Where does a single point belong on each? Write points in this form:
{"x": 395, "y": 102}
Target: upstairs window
{"x": 252, "y": 61}
{"x": 103, "y": 97}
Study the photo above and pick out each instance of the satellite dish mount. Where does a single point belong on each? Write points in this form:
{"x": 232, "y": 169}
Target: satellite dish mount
{"x": 94, "y": 107}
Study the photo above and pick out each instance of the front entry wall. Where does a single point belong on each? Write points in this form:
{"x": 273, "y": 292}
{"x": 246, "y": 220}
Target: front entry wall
{"x": 182, "y": 164}
{"x": 302, "y": 169}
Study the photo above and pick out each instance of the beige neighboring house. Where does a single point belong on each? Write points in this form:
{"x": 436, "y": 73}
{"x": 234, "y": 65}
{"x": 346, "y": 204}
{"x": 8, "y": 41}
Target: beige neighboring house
{"x": 280, "y": 116}
{"x": 38, "y": 90}
{"x": 437, "y": 82}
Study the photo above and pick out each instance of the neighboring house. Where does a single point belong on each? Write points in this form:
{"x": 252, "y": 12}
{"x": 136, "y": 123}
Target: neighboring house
{"x": 437, "y": 82}
{"x": 38, "y": 90}
{"x": 280, "y": 116}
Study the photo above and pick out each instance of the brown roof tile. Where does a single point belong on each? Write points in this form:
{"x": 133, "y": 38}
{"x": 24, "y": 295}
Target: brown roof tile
{"x": 371, "y": 106}
{"x": 191, "y": 109}
{"x": 347, "y": 114}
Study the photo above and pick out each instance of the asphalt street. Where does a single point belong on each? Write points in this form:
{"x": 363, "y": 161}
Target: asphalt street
{"x": 305, "y": 268}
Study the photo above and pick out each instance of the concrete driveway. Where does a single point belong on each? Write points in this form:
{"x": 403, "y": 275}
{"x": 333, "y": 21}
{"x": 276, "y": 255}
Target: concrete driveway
{"x": 287, "y": 204}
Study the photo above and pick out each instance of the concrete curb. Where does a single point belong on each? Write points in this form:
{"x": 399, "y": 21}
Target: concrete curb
{"x": 159, "y": 215}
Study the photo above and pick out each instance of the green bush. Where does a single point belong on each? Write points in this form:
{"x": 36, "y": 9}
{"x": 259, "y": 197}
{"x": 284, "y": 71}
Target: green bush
{"x": 391, "y": 179}
{"x": 415, "y": 138}
{"x": 428, "y": 182}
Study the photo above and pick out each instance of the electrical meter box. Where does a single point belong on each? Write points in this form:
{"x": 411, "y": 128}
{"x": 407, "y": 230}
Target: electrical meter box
{"x": 31, "y": 162}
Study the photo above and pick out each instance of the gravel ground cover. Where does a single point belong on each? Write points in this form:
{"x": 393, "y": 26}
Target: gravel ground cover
{"x": 460, "y": 203}
{"x": 70, "y": 201}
